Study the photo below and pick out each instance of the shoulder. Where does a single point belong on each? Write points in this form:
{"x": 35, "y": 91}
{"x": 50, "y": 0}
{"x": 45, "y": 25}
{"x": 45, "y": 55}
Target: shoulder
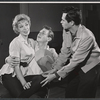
{"x": 52, "y": 50}
{"x": 87, "y": 34}
{"x": 15, "y": 41}
{"x": 15, "y": 44}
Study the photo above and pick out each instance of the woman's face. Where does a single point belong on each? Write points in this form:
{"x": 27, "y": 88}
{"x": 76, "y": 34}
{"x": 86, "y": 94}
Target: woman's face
{"x": 23, "y": 27}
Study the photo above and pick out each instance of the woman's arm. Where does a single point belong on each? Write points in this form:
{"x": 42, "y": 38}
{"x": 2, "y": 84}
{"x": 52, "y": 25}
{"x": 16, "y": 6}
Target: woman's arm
{"x": 26, "y": 85}
{"x": 14, "y": 51}
{"x": 19, "y": 75}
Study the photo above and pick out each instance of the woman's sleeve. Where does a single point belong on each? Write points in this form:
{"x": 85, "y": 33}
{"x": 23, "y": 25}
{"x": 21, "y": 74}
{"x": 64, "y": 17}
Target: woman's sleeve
{"x": 14, "y": 49}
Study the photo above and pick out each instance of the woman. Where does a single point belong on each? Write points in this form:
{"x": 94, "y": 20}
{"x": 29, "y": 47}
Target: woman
{"x": 22, "y": 77}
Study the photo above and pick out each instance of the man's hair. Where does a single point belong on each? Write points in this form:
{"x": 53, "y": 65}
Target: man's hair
{"x": 73, "y": 14}
{"x": 51, "y": 33}
{"x": 18, "y": 18}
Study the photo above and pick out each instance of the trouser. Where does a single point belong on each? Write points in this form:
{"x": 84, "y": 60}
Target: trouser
{"x": 15, "y": 88}
{"x": 82, "y": 85}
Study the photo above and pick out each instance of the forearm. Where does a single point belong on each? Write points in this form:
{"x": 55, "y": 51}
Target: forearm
{"x": 19, "y": 75}
{"x": 65, "y": 70}
{"x": 62, "y": 58}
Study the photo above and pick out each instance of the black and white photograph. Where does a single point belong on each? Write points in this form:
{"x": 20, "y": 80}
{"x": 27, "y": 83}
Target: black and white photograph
{"x": 50, "y": 50}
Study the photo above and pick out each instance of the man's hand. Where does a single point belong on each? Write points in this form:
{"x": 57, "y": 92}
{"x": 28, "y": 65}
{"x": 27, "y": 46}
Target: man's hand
{"x": 63, "y": 72}
{"x": 48, "y": 78}
{"x": 13, "y": 61}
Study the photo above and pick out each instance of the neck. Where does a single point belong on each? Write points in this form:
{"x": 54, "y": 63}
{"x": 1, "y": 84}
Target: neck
{"x": 25, "y": 37}
{"x": 74, "y": 30}
{"x": 42, "y": 45}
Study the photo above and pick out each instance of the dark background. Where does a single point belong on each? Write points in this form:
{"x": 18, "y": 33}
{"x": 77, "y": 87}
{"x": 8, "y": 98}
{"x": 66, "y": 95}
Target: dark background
{"x": 44, "y": 14}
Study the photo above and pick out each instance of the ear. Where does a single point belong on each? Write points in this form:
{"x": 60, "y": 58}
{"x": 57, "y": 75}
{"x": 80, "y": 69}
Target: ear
{"x": 72, "y": 23}
{"x": 49, "y": 39}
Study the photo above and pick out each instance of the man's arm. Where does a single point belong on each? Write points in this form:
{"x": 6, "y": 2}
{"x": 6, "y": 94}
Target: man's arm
{"x": 13, "y": 61}
{"x": 79, "y": 56}
{"x": 63, "y": 57}
{"x": 65, "y": 51}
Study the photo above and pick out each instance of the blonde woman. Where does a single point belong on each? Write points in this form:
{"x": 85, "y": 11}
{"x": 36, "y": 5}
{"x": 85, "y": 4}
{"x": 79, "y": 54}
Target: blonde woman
{"x": 26, "y": 73}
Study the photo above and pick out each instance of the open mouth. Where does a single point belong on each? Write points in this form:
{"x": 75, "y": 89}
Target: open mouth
{"x": 26, "y": 31}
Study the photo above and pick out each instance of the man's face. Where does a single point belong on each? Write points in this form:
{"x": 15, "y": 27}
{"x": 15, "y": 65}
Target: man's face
{"x": 43, "y": 35}
{"x": 65, "y": 23}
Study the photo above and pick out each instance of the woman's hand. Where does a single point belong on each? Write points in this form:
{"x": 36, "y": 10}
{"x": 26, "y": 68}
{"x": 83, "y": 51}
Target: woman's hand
{"x": 27, "y": 85}
{"x": 48, "y": 78}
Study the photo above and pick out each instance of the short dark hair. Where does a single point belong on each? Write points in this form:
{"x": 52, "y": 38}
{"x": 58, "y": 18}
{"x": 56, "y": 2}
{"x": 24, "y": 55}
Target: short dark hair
{"x": 73, "y": 14}
{"x": 51, "y": 33}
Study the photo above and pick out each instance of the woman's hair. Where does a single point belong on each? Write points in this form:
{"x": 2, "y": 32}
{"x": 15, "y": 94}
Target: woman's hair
{"x": 18, "y": 18}
{"x": 73, "y": 14}
{"x": 51, "y": 33}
